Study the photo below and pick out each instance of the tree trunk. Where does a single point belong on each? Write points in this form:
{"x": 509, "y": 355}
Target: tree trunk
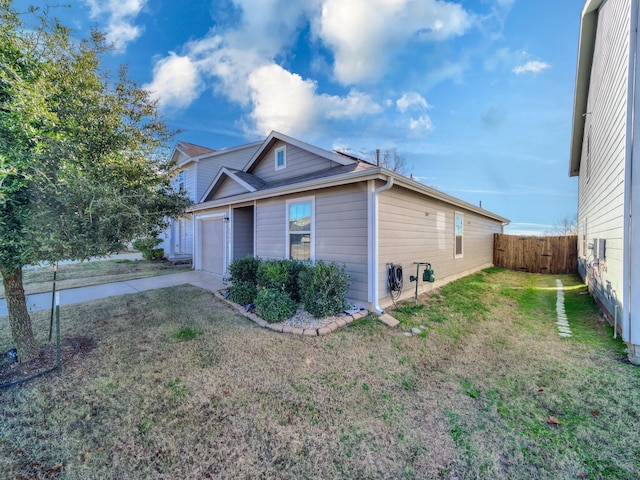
{"x": 19, "y": 318}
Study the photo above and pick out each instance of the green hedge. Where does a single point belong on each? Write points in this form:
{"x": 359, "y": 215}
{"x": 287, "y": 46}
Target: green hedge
{"x": 323, "y": 289}
{"x": 276, "y": 286}
{"x": 274, "y": 305}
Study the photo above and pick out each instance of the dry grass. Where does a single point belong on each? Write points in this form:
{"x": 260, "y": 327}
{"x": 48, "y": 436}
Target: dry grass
{"x": 469, "y": 399}
{"x": 84, "y": 274}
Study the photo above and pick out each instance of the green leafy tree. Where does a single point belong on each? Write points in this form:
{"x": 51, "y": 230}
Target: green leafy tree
{"x": 83, "y": 157}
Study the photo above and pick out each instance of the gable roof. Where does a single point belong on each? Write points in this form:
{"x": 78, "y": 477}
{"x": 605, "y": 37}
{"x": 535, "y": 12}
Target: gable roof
{"x": 192, "y": 150}
{"x": 586, "y": 47}
{"x": 275, "y": 136}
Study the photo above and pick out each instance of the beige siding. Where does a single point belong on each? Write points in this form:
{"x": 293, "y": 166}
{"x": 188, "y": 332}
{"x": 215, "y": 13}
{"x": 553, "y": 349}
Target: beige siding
{"x": 299, "y": 162}
{"x": 415, "y": 228}
{"x": 601, "y": 180}
{"x": 270, "y": 228}
{"x": 341, "y": 233}
{"x": 229, "y": 188}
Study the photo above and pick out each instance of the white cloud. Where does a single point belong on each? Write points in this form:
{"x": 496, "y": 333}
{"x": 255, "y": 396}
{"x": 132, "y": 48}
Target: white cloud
{"x": 239, "y": 63}
{"x": 176, "y": 82}
{"x": 411, "y": 100}
{"x": 120, "y": 14}
{"x": 533, "y": 66}
{"x": 364, "y": 34}
{"x": 421, "y": 123}
{"x": 286, "y": 102}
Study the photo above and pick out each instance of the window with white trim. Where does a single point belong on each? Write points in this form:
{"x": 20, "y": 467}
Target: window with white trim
{"x": 181, "y": 180}
{"x": 281, "y": 157}
{"x": 300, "y": 229}
{"x": 458, "y": 234}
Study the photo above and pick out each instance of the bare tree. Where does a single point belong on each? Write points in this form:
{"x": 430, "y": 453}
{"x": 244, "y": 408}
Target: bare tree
{"x": 392, "y": 160}
{"x": 566, "y": 226}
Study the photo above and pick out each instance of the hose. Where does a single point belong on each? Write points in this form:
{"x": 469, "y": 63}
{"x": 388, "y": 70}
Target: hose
{"x": 395, "y": 281}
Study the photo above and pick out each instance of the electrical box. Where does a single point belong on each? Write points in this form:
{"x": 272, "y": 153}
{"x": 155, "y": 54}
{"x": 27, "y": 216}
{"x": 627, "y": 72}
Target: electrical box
{"x": 599, "y": 246}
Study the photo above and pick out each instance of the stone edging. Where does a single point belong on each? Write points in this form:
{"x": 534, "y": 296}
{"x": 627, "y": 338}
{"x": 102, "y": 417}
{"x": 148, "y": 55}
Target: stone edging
{"x": 279, "y": 327}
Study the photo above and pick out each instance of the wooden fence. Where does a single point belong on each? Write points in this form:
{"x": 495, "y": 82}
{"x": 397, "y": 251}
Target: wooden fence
{"x": 552, "y": 255}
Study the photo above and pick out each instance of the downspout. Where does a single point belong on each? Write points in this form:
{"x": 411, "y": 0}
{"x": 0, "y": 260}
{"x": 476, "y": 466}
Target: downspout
{"x": 373, "y": 227}
{"x": 628, "y": 191}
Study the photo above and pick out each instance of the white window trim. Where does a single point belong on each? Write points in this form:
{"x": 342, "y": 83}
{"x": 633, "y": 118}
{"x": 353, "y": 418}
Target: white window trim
{"x": 282, "y": 149}
{"x": 181, "y": 181}
{"x": 295, "y": 201}
{"x": 455, "y": 235}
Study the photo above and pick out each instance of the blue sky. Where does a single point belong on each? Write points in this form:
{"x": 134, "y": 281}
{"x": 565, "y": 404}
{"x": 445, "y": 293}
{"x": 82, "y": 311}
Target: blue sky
{"x": 476, "y": 95}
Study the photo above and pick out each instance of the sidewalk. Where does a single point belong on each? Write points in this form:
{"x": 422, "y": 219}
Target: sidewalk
{"x": 42, "y": 301}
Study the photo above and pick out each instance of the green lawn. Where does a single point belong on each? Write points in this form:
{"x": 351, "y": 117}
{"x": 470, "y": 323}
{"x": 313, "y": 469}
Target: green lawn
{"x": 180, "y": 386}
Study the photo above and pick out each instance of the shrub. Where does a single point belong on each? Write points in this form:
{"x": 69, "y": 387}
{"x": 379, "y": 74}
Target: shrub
{"x": 147, "y": 246}
{"x": 274, "y": 305}
{"x": 323, "y": 289}
{"x": 242, "y": 292}
{"x": 244, "y": 269}
{"x": 282, "y": 275}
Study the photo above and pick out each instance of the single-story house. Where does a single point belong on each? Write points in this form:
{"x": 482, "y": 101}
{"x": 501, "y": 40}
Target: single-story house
{"x": 295, "y": 200}
{"x": 604, "y": 156}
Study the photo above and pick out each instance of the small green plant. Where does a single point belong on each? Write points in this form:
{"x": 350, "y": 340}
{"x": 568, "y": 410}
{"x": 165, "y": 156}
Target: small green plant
{"x": 243, "y": 292}
{"x": 244, "y": 269}
{"x": 147, "y": 247}
{"x": 274, "y": 305}
{"x": 144, "y": 427}
{"x": 185, "y": 334}
{"x": 456, "y": 431}
{"x": 179, "y": 390}
{"x": 469, "y": 389}
{"x": 323, "y": 289}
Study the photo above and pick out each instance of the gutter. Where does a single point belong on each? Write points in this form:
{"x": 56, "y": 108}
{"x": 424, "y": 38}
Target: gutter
{"x": 374, "y": 248}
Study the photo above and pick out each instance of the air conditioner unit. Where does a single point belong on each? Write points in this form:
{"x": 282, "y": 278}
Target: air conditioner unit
{"x": 599, "y": 245}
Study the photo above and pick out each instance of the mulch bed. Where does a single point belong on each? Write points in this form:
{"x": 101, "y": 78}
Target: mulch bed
{"x": 14, "y": 373}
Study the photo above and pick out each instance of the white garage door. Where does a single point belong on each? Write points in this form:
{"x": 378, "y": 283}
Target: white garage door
{"x": 212, "y": 241}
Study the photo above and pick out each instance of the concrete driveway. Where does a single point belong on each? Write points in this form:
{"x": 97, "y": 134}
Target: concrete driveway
{"x": 42, "y": 301}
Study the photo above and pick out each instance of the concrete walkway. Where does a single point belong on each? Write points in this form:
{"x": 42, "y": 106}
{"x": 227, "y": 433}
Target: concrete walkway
{"x": 42, "y": 301}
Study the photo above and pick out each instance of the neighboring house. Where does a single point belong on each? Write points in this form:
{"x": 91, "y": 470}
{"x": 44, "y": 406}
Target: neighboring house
{"x": 604, "y": 155}
{"x": 195, "y": 166}
{"x": 294, "y": 200}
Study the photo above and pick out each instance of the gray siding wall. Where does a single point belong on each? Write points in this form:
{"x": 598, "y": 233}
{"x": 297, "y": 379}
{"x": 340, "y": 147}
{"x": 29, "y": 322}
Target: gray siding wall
{"x": 601, "y": 180}
{"x": 189, "y": 181}
{"x": 242, "y": 232}
{"x": 299, "y": 162}
{"x": 340, "y": 229}
{"x": 341, "y": 233}
{"x": 229, "y": 188}
{"x": 270, "y": 228}
{"x": 415, "y": 228}
{"x": 208, "y": 167}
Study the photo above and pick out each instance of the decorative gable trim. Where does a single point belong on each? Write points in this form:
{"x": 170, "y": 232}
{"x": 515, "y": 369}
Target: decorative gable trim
{"x": 225, "y": 172}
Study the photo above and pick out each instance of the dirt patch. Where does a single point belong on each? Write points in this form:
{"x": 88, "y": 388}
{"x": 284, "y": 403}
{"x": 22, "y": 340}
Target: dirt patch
{"x": 13, "y": 373}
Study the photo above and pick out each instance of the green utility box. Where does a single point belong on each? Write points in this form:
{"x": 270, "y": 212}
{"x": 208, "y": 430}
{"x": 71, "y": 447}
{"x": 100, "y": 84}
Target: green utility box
{"x": 429, "y": 275}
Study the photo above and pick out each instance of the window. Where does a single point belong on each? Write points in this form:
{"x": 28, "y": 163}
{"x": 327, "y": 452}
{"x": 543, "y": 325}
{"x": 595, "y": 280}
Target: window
{"x": 459, "y": 221}
{"x": 181, "y": 180}
{"x": 281, "y": 157}
{"x": 300, "y": 229}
